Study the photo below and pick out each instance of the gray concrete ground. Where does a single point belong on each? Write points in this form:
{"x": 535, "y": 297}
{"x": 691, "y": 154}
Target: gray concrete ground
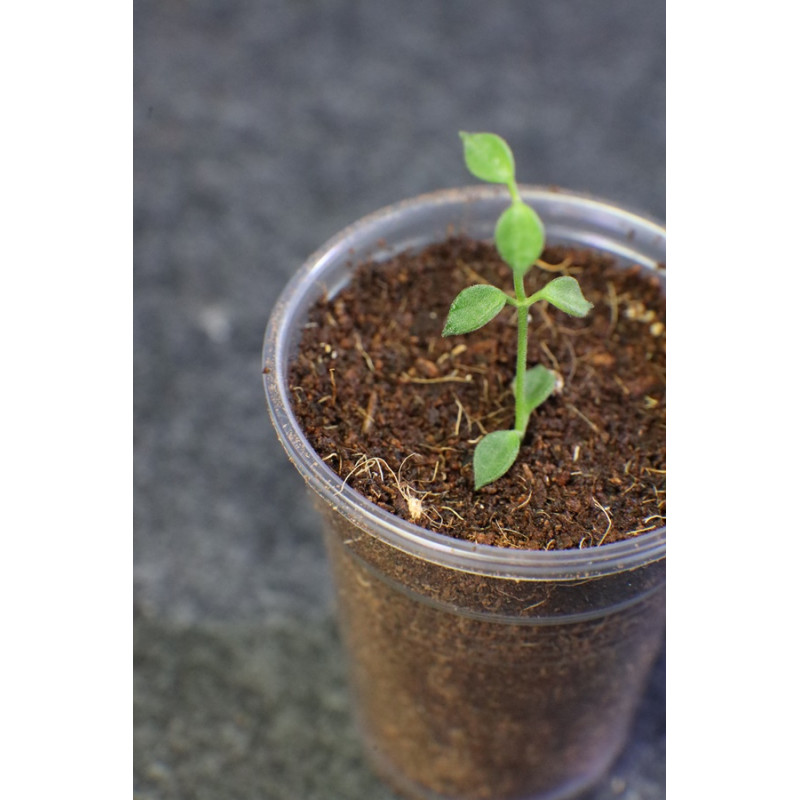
{"x": 261, "y": 129}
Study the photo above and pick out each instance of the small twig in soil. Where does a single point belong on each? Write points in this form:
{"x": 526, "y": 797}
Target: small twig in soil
{"x": 542, "y": 310}
{"x": 470, "y": 273}
{"x": 526, "y": 501}
{"x": 513, "y": 531}
{"x": 403, "y": 463}
{"x": 481, "y": 370}
{"x": 563, "y": 266}
{"x": 470, "y": 420}
{"x": 625, "y": 390}
{"x": 432, "y": 478}
{"x": 338, "y": 458}
{"x": 364, "y": 354}
{"x": 530, "y": 608}
{"x": 332, "y": 373}
{"x": 549, "y": 353}
{"x": 437, "y": 448}
{"x": 640, "y": 530}
{"x": 365, "y": 465}
{"x": 362, "y": 412}
{"x": 631, "y": 486}
{"x": 453, "y": 377}
{"x": 369, "y": 414}
{"x": 498, "y": 412}
{"x": 457, "y": 426}
{"x": 453, "y": 511}
{"x": 573, "y": 360}
{"x": 627, "y": 469}
{"x": 613, "y": 304}
{"x": 659, "y": 501}
{"x": 441, "y": 461}
{"x": 585, "y": 419}
{"x": 608, "y": 517}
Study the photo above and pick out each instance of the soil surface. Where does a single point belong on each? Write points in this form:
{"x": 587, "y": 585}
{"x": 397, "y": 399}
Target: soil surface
{"x": 396, "y": 409}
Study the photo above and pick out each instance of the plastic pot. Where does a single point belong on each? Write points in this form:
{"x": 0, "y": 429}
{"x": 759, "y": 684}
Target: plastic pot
{"x": 477, "y": 671}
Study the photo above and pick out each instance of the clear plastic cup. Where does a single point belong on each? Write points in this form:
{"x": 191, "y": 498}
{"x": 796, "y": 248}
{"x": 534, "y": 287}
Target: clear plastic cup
{"x": 477, "y": 671}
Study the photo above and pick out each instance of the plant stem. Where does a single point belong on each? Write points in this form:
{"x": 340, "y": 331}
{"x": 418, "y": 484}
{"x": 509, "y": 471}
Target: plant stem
{"x": 521, "y": 421}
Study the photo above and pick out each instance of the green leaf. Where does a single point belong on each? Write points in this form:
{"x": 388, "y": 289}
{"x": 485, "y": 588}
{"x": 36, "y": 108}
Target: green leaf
{"x": 539, "y": 385}
{"x": 488, "y": 157}
{"x": 519, "y": 236}
{"x": 565, "y": 293}
{"x": 494, "y": 455}
{"x": 473, "y": 308}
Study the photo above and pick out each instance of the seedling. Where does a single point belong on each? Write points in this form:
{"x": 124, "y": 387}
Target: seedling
{"x": 519, "y": 237}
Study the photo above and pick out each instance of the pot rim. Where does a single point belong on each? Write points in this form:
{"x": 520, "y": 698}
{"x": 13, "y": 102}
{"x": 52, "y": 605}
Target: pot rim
{"x": 438, "y": 548}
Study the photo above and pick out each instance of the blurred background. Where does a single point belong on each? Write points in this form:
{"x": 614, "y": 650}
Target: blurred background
{"x": 260, "y": 130}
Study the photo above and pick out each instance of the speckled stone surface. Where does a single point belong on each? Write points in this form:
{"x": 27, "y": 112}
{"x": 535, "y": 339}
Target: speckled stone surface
{"x": 261, "y": 129}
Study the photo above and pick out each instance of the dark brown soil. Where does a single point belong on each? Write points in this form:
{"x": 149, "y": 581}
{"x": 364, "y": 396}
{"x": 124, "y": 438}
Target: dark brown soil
{"x": 396, "y": 409}
{"x": 469, "y": 686}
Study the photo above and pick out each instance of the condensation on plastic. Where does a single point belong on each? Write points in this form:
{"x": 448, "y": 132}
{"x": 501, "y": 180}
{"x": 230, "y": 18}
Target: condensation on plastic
{"x": 570, "y": 219}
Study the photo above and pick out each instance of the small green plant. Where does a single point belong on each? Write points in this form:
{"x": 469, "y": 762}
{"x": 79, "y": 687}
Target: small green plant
{"x": 519, "y": 238}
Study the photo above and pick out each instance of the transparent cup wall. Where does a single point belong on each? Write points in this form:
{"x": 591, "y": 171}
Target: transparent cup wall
{"x": 478, "y": 672}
